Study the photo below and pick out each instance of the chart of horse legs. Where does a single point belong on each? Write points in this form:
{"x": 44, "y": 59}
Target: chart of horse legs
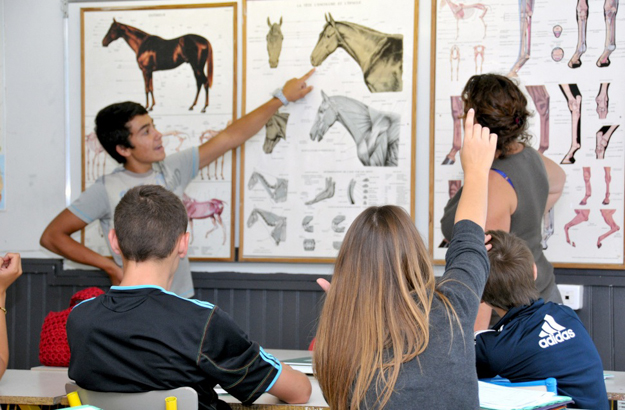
{"x": 348, "y": 144}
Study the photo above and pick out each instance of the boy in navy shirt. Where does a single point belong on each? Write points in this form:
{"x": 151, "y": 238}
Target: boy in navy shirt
{"x": 535, "y": 340}
{"x": 139, "y": 336}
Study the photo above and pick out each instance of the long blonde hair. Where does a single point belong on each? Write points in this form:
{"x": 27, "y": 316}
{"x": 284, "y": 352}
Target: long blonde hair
{"x": 376, "y": 314}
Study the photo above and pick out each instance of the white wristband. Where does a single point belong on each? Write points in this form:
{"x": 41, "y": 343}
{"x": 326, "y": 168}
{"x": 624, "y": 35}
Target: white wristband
{"x": 280, "y": 96}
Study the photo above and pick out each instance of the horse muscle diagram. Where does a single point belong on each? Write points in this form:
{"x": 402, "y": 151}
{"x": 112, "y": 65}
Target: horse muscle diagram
{"x": 277, "y": 191}
{"x": 275, "y": 129}
{"x": 610, "y": 8}
{"x": 155, "y": 53}
{"x": 526, "y": 8}
{"x": 574, "y": 101}
{"x": 466, "y": 12}
{"x": 456, "y": 113}
{"x": 202, "y": 210}
{"x": 274, "y": 42}
{"x": 327, "y": 193}
{"x": 278, "y": 233}
{"x": 603, "y": 101}
{"x": 375, "y": 133}
{"x": 603, "y": 137}
{"x": 379, "y": 55}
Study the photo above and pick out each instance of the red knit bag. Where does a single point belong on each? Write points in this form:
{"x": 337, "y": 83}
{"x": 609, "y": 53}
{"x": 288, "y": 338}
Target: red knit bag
{"x": 53, "y": 346}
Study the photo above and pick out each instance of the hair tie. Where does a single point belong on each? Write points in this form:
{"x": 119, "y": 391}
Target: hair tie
{"x": 517, "y": 120}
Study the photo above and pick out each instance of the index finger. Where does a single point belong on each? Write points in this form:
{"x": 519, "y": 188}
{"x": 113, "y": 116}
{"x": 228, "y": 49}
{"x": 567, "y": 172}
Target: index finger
{"x": 308, "y": 74}
{"x": 468, "y": 122}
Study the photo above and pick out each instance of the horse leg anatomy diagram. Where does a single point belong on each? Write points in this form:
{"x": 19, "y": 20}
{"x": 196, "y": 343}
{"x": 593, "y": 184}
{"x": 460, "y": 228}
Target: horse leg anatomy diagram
{"x": 208, "y": 135}
{"x": 205, "y": 210}
{"x": 478, "y": 55}
{"x": 454, "y": 60}
{"x": 278, "y": 223}
{"x": 278, "y": 191}
{"x": 93, "y": 147}
{"x": 603, "y": 137}
{"x": 608, "y": 179}
{"x": 327, "y": 193}
{"x": 526, "y": 9}
{"x": 275, "y": 129}
{"x": 155, "y": 53}
{"x": 466, "y": 11}
{"x": 610, "y": 8}
{"x": 603, "y": 101}
{"x": 548, "y": 227}
{"x": 608, "y": 217}
{"x": 274, "y": 42}
{"x": 581, "y": 215}
{"x": 574, "y": 100}
{"x": 379, "y": 55}
{"x": 587, "y": 184}
{"x": 540, "y": 97}
{"x": 456, "y": 113}
{"x": 375, "y": 133}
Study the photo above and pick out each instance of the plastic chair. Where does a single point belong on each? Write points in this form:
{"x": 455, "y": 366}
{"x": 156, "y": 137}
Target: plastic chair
{"x": 549, "y": 384}
{"x": 186, "y": 398}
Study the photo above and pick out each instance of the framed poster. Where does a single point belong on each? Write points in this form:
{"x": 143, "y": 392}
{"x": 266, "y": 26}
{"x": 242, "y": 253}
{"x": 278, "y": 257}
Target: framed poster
{"x": 180, "y": 61}
{"x": 570, "y": 69}
{"x": 349, "y": 144}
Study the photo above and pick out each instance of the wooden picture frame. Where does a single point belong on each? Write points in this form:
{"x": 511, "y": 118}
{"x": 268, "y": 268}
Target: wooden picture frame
{"x": 112, "y": 74}
{"x": 539, "y": 43}
{"x": 299, "y": 196}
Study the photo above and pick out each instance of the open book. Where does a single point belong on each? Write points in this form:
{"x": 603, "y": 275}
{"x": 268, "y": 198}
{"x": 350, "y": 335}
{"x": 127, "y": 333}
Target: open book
{"x": 493, "y": 397}
{"x": 303, "y": 364}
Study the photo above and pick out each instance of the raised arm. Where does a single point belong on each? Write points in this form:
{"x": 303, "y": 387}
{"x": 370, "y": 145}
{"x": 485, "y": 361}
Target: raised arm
{"x": 57, "y": 238}
{"x": 477, "y": 154}
{"x": 292, "y": 386}
{"x": 248, "y": 125}
{"x": 10, "y": 270}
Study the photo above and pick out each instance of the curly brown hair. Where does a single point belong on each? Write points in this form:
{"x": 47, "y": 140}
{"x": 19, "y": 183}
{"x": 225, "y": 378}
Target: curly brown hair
{"x": 499, "y": 105}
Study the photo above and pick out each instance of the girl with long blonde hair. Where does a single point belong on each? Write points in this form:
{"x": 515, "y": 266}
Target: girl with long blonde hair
{"x": 389, "y": 336}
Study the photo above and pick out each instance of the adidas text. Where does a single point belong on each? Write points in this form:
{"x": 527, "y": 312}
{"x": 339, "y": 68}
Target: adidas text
{"x": 556, "y": 338}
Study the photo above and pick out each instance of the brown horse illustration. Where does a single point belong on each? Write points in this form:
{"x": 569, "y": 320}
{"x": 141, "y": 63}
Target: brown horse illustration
{"x": 155, "y": 53}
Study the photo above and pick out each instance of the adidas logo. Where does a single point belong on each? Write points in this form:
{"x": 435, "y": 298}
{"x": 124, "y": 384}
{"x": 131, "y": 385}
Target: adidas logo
{"x": 552, "y": 333}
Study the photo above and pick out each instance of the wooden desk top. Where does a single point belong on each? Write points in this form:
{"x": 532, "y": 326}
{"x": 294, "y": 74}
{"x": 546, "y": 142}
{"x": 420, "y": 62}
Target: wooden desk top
{"x": 45, "y": 388}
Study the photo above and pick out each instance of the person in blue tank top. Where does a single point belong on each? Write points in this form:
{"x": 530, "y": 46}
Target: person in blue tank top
{"x": 535, "y": 340}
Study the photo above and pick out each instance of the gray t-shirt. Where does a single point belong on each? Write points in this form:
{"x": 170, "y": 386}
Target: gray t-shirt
{"x": 98, "y": 202}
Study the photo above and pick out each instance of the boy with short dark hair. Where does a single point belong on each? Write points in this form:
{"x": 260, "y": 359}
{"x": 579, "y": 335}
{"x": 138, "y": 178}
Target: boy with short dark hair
{"x": 129, "y": 135}
{"x": 140, "y": 337}
{"x": 535, "y": 340}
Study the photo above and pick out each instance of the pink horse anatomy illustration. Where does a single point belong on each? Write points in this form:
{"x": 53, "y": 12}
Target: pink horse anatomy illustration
{"x": 181, "y": 136}
{"x": 581, "y": 215}
{"x": 526, "y": 9}
{"x": 155, "y": 53}
{"x": 603, "y": 137}
{"x": 466, "y": 11}
{"x": 574, "y": 101}
{"x": 206, "y": 209}
{"x": 608, "y": 217}
{"x": 205, "y": 136}
{"x": 93, "y": 147}
{"x": 610, "y": 8}
{"x": 456, "y": 113}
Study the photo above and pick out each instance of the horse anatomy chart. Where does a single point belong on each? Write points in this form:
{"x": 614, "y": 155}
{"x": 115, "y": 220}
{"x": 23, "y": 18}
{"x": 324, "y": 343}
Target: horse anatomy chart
{"x": 568, "y": 57}
{"x": 179, "y": 62}
{"x": 2, "y": 127}
{"x": 349, "y": 144}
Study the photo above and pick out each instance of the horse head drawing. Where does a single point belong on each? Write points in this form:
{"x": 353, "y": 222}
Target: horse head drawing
{"x": 326, "y": 116}
{"x": 274, "y": 42}
{"x": 379, "y": 55}
{"x": 275, "y": 129}
{"x": 329, "y": 41}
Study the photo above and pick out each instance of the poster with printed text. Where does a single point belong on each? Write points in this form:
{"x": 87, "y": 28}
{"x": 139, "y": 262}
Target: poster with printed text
{"x": 347, "y": 145}
{"x": 567, "y": 57}
{"x": 180, "y": 63}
